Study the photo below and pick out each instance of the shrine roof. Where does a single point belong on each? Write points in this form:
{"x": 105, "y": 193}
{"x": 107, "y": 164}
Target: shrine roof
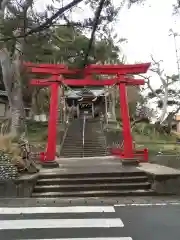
{"x": 80, "y": 93}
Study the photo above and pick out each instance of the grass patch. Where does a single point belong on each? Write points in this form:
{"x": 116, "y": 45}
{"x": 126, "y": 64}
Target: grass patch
{"x": 146, "y": 136}
{"x": 37, "y": 131}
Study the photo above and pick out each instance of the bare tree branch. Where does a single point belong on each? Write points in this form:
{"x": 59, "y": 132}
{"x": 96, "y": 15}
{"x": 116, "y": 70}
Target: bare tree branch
{"x": 48, "y": 23}
{"x": 96, "y": 21}
{"x": 147, "y": 80}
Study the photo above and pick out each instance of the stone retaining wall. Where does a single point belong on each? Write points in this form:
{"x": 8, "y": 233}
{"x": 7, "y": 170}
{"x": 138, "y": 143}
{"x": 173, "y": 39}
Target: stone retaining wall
{"x": 172, "y": 161}
{"x": 165, "y": 184}
{"x": 18, "y": 188}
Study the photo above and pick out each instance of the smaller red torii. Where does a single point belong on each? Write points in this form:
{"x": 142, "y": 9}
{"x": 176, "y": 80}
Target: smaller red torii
{"x": 120, "y": 71}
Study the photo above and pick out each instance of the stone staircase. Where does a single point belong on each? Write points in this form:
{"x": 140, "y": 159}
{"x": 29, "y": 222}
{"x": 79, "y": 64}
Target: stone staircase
{"x": 94, "y": 143}
{"x": 73, "y": 145}
{"x": 94, "y": 140}
{"x": 92, "y": 177}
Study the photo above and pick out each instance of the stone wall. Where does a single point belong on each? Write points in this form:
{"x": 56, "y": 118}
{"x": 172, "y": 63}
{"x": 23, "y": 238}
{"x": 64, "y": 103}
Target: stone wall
{"x": 165, "y": 184}
{"x": 172, "y": 161}
{"x": 18, "y": 188}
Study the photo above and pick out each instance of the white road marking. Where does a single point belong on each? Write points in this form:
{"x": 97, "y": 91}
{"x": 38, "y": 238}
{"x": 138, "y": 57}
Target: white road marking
{"x": 146, "y": 204}
{"x": 108, "y": 238}
{"x": 72, "y": 209}
{"x": 175, "y": 203}
{"x": 61, "y": 223}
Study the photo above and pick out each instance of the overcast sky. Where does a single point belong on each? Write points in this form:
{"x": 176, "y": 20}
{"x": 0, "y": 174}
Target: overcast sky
{"x": 146, "y": 27}
{"x": 147, "y": 30}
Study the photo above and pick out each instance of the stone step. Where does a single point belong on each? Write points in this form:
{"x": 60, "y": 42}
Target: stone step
{"x": 81, "y": 154}
{"x": 69, "y": 155}
{"x": 110, "y": 159}
{"x": 94, "y": 143}
{"x": 78, "y": 149}
{"x": 88, "y": 174}
{"x": 89, "y": 163}
{"x": 56, "y": 181}
{"x": 75, "y": 148}
{"x": 91, "y": 155}
{"x": 95, "y": 150}
{"x": 71, "y": 150}
{"x": 89, "y": 148}
{"x": 93, "y": 187}
{"x": 74, "y": 136}
{"x": 75, "y": 144}
{"x": 83, "y": 166}
{"x": 72, "y": 139}
{"x": 104, "y": 193}
{"x": 94, "y": 154}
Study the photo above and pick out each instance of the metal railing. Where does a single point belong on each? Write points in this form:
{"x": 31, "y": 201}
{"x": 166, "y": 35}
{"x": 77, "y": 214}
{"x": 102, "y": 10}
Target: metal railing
{"x": 67, "y": 124}
{"x": 83, "y": 133}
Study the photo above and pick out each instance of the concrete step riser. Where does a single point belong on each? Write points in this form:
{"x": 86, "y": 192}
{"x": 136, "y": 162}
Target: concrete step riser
{"x": 90, "y": 149}
{"x": 91, "y": 188}
{"x": 86, "y": 145}
{"x": 80, "y": 151}
{"x": 96, "y": 150}
{"x": 77, "y": 148}
{"x": 65, "y": 155}
{"x": 97, "y": 194}
{"x": 91, "y": 141}
{"x": 83, "y": 150}
{"x": 89, "y": 165}
{"x": 70, "y": 155}
{"x": 72, "y": 149}
{"x": 80, "y": 139}
{"x": 92, "y": 175}
{"x": 88, "y": 181}
{"x": 73, "y": 146}
{"x": 73, "y": 136}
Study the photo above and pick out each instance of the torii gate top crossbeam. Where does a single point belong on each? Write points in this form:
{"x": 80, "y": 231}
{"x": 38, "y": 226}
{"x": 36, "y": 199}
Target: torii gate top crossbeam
{"x": 120, "y": 69}
{"x": 59, "y": 69}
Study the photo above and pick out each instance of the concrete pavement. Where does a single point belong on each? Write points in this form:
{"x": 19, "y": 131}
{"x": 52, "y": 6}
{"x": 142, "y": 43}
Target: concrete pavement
{"x": 151, "y": 222}
{"x": 122, "y": 221}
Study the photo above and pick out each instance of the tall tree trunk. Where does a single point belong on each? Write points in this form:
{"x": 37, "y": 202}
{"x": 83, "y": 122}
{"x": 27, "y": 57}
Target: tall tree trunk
{"x": 17, "y": 110}
{"x": 6, "y": 67}
{"x": 11, "y": 79}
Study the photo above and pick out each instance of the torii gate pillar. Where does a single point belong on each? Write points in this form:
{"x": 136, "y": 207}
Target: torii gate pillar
{"x": 49, "y": 157}
{"x": 124, "y": 110}
{"x": 51, "y": 148}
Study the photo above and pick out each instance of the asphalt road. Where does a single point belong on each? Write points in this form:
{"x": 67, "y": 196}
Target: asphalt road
{"x": 125, "y": 222}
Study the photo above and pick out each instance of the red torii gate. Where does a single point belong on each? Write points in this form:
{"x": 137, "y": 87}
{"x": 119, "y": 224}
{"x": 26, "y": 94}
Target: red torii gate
{"x": 120, "y": 71}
